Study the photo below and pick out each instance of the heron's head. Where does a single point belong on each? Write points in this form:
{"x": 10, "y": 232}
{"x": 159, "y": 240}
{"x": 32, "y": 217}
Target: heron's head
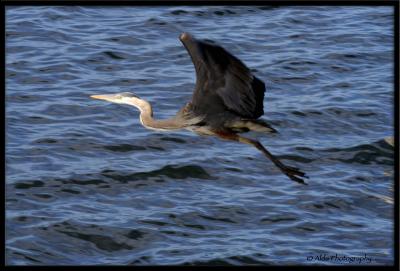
{"x": 123, "y": 98}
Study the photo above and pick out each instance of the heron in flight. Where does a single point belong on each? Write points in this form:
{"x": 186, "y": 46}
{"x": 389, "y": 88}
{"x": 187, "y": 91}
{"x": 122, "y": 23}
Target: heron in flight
{"x": 227, "y": 101}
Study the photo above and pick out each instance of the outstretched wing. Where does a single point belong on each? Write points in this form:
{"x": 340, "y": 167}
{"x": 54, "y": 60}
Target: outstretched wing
{"x": 223, "y": 81}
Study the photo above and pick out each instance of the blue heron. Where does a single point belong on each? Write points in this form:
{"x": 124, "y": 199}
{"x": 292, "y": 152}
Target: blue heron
{"x": 227, "y": 101}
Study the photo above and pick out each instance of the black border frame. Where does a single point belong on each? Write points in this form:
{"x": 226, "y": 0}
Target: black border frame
{"x": 393, "y": 3}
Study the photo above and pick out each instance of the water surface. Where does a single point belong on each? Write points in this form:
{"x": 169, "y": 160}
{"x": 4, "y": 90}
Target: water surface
{"x": 87, "y": 184}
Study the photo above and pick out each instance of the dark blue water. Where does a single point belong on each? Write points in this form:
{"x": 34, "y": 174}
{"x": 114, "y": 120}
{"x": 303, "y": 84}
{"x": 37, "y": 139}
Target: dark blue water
{"x": 87, "y": 184}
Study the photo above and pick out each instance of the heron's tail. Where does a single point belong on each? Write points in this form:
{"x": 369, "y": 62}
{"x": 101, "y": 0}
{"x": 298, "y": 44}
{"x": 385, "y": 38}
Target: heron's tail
{"x": 246, "y": 125}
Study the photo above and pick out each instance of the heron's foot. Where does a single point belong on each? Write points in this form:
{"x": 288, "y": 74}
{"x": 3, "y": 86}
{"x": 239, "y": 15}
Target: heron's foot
{"x": 294, "y": 174}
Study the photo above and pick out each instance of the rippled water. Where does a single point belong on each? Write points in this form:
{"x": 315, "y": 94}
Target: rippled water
{"x": 87, "y": 184}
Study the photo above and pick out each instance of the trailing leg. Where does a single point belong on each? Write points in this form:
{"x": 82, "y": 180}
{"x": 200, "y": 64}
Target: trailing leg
{"x": 292, "y": 172}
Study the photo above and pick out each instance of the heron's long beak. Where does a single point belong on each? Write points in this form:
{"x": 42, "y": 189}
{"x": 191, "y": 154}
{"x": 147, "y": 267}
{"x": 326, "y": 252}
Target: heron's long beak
{"x": 114, "y": 98}
{"x": 96, "y": 96}
{"x": 106, "y": 97}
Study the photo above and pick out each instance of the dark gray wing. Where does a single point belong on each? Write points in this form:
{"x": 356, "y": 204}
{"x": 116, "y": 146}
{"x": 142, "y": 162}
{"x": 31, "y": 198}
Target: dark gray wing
{"x": 223, "y": 81}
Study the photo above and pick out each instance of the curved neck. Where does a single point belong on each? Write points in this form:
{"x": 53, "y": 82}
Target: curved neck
{"x": 147, "y": 120}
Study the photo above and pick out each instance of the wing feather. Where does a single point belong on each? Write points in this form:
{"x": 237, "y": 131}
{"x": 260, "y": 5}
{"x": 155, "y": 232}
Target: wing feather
{"x": 223, "y": 81}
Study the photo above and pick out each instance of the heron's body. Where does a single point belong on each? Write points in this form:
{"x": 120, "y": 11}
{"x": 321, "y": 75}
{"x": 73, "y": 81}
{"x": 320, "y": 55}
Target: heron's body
{"x": 227, "y": 101}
